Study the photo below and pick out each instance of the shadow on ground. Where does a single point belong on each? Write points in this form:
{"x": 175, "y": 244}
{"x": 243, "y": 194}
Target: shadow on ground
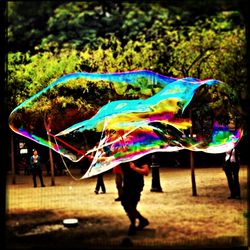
{"x": 44, "y": 230}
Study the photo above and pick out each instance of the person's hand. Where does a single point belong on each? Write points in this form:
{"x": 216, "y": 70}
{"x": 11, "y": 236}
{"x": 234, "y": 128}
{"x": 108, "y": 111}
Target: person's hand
{"x": 132, "y": 165}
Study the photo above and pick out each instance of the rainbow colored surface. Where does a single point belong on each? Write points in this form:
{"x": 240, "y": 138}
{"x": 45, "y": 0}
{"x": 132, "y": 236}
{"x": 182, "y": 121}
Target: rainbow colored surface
{"x": 130, "y": 129}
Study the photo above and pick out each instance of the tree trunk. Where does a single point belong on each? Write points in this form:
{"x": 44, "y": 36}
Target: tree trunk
{"x": 13, "y": 160}
{"x": 51, "y": 164}
{"x": 47, "y": 125}
{"x": 194, "y": 191}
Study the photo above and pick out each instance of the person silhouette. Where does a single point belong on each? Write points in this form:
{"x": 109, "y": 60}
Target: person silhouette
{"x": 36, "y": 168}
{"x": 133, "y": 183}
{"x": 231, "y": 168}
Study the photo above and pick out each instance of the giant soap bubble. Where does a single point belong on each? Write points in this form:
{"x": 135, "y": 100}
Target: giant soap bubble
{"x": 144, "y": 112}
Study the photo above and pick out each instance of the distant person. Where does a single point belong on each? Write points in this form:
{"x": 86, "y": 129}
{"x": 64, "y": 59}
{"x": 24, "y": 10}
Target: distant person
{"x": 99, "y": 181}
{"x": 155, "y": 167}
{"x": 100, "y": 184}
{"x": 231, "y": 168}
{"x": 36, "y": 168}
{"x": 117, "y": 170}
{"x": 133, "y": 183}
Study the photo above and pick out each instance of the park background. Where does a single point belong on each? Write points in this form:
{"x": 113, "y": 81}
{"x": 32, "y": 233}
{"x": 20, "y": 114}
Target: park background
{"x": 46, "y": 40}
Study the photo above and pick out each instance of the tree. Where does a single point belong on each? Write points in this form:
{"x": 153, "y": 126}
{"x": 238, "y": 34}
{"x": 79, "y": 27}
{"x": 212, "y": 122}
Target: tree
{"x": 111, "y": 37}
{"x": 26, "y": 22}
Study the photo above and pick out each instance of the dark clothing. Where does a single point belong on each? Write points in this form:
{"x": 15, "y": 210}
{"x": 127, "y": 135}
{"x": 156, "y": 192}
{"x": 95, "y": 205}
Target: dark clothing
{"x": 231, "y": 168}
{"x": 36, "y": 170}
{"x": 118, "y": 181}
{"x": 133, "y": 183}
{"x": 100, "y": 184}
{"x": 232, "y": 174}
{"x": 132, "y": 186}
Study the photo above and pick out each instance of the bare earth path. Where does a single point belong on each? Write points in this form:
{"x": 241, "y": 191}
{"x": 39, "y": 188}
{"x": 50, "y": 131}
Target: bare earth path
{"x": 177, "y": 219}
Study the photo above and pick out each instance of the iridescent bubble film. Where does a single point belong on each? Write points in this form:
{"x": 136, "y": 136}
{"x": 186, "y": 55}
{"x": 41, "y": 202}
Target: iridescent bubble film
{"x": 144, "y": 112}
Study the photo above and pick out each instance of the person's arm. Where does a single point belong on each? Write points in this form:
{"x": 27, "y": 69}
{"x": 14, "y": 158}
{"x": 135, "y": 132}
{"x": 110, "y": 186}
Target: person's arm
{"x": 144, "y": 170}
{"x": 91, "y": 156}
{"x": 103, "y": 157}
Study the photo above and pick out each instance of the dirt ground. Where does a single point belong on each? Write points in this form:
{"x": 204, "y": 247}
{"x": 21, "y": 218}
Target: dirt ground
{"x": 177, "y": 219}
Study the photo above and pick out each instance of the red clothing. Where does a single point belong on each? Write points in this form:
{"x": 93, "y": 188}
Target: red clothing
{"x": 117, "y": 170}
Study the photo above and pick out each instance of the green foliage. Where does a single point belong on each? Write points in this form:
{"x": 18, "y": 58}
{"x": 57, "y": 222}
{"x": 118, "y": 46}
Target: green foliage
{"x": 16, "y": 80}
{"x": 30, "y": 74}
{"x": 26, "y": 22}
{"x": 51, "y": 39}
